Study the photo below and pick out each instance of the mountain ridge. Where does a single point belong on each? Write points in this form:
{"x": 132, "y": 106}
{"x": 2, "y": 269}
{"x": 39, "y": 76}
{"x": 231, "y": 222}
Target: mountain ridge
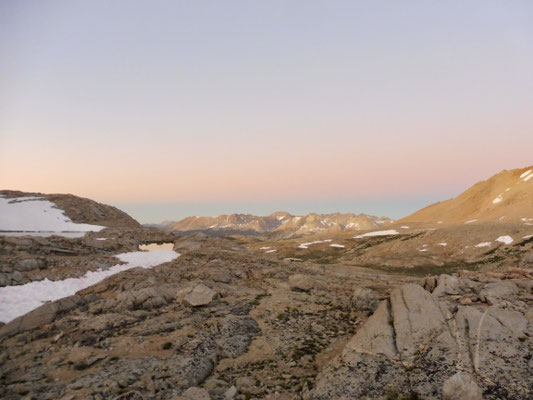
{"x": 507, "y": 195}
{"x": 279, "y": 223}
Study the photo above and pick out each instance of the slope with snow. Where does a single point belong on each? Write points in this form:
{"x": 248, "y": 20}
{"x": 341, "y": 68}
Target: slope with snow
{"x": 18, "y": 300}
{"x": 505, "y": 197}
{"x": 36, "y": 214}
{"x": 377, "y": 233}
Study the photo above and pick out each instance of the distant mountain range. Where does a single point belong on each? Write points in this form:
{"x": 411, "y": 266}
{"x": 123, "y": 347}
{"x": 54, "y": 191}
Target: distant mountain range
{"x": 279, "y": 224}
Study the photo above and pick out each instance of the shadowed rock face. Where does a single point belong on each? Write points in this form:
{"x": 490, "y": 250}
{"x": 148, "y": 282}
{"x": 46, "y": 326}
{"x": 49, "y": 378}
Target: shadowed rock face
{"x": 417, "y": 341}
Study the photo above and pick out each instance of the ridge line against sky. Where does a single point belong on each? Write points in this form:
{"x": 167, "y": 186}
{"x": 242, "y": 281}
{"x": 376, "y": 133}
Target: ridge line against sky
{"x": 376, "y": 107}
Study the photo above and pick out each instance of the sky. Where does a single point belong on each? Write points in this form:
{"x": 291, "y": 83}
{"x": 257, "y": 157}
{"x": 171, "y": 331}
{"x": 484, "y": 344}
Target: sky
{"x": 175, "y": 108}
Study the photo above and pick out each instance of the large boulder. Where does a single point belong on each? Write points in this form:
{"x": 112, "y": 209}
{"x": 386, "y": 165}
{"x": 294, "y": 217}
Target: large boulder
{"x": 419, "y": 343}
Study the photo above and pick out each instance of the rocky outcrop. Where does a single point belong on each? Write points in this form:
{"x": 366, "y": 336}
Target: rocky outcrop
{"x": 431, "y": 345}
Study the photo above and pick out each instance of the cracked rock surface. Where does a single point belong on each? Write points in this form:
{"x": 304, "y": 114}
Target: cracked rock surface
{"x": 417, "y": 342}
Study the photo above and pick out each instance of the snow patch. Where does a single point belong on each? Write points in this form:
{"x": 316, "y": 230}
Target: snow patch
{"x": 270, "y": 251}
{"x": 527, "y": 237}
{"x": 472, "y": 220}
{"x": 483, "y": 244}
{"x": 306, "y": 245}
{"x": 340, "y": 246}
{"x": 443, "y": 244}
{"x": 35, "y": 215}
{"x": 377, "y": 233}
{"x": 404, "y": 227}
{"x": 505, "y": 239}
{"x": 18, "y": 300}
{"x": 498, "y": 199}
{"x": 525, "y": 174}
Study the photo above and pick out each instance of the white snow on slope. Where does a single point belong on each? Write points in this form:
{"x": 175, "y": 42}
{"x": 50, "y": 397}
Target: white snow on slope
{"x": 377, "y": 233}
{"x": 443, "y": 244}
{"x": 527, "y": 178}
{"x": 505, "y": 239}
{"x": 498, "y": 199}
{"x": 18, "y": 300}
{"x": 270, "y": 251}
{"x": 34, "y": 214}
{"x": 340, "y": 246}
{"x": 472, "y": 220}
{"x": 525, "y": 174}
{"x": 483, "y": 244}
{"x": 528, "y": 237}
{"x": 306, "y": 245}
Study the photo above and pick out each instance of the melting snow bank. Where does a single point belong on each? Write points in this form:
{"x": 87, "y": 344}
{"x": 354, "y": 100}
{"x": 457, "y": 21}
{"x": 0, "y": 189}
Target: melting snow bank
{"x": 340, "y": 246}
{"x": 306, "y": 245}
{"x": 377, "y": 233}
{"x": 505, "y": 239}
{"x": 18, "y": 300}
{"x": 526, "y": 176}
{"x": 35, "y": 215}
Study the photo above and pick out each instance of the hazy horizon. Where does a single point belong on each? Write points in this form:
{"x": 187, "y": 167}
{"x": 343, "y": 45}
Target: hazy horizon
{"x": 204, "y": 107}
{"x": 147, "y": 213}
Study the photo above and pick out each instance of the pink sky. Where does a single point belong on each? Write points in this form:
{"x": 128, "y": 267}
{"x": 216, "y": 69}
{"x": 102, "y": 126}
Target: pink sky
{"x": 242, "y": 102}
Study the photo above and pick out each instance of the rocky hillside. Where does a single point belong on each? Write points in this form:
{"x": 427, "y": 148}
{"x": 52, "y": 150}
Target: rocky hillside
{"x": 223, "y": 322}
{"x": 327, "y": 223}
{"x": 80, "y": 210}
{"x": 278, "y": 224}
{"x": 507, "y": 197}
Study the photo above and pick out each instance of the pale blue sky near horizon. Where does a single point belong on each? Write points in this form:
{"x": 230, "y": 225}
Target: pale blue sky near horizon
{"x": 210, "y": 107}
{"x": 382, "y": 207}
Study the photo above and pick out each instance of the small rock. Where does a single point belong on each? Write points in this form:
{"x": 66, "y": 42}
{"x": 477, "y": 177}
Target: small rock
{"x": 195, "y": 393}
{"x": 299, "y": 282}
{"x": 230, "y": 393}
{"x": 461, "y": 387}
{"x": 201, "y": 295}
{"x": 465, "y": 301}
{"x": 17, "y": 276}
{"x": 245, "y": 383}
